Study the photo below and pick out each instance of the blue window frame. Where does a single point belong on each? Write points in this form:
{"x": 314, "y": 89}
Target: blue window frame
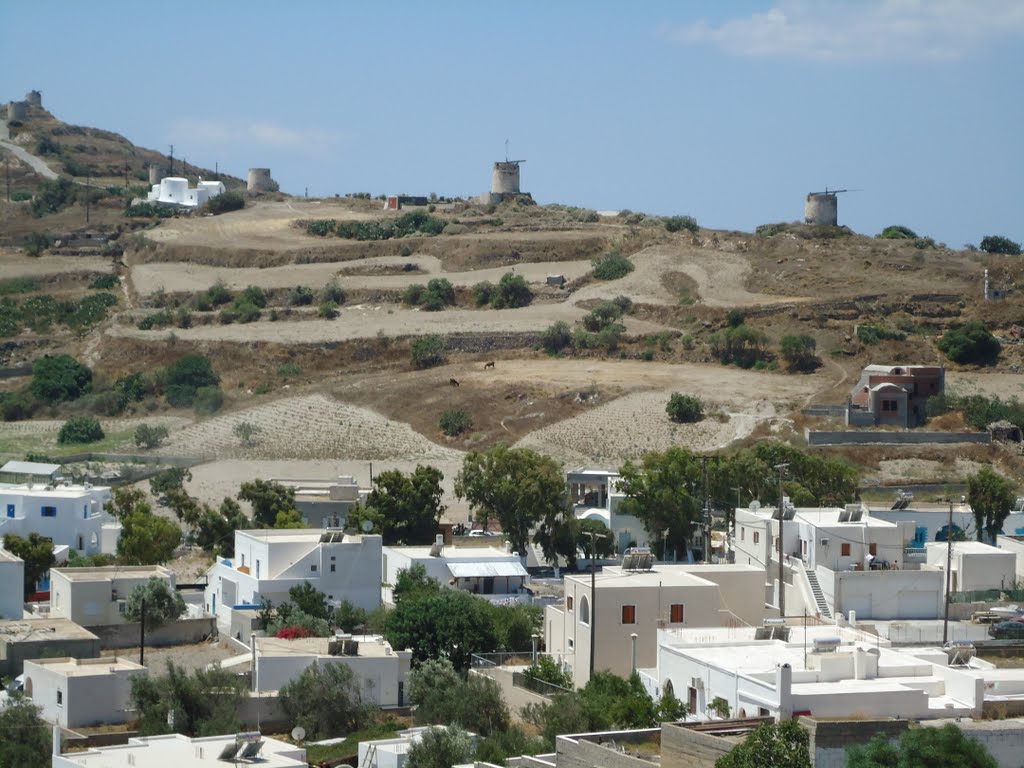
{"x": 10, "y": 510}
{"x": 48, "y": 511}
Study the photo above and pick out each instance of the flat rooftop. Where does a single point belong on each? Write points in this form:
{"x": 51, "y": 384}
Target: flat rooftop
{"x": 111, "y": 572}
{"x": 664, "y": 575}
{"x": 87, "y": 667}
{"x": 37, "y": 630}
{"x": 370, "y": 646}
{"x": 295, "y": 535}
{"x": 449, "y": 552}
{"x": 177, "y": 751}
{"x": 52, "y": 491}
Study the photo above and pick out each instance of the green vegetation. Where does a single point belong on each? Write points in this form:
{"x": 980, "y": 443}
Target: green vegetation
{"x": 438, "y": 294}
{"x": 150, "y": 211}
{"x": 740, "y": 345}
{"x": 897, "y": 232}
{"x": 147, "y": 436}
{"x": 268, "y": 499}
{"x": 427, "y": 351}
{"x": 684, "y": 409}
{"x": 328, "y": 310}
{"x": 20, "y": 196}
{"x": 411, "y": 223}
{"x": 208, "y": 400}
{"x": 978, "y": 411}
{"x": 920, "y": 747}
{"x": 40, "y": 313}
{"x": 991, "y": 497}
{"x": 442, "y": 695}
{"x": 999, "y": 244}
{"x": 300, "y": 296}
{"x": 455, "y": 421}
{"x": 326, "y": 701}
{"x": 163, "y": 603}
{"x": 26, "y": 741}
{"x": 779, "y": 745}
{"x": 547, "y": 670}
{"x": 37, "y": 552}
{"x": 512, "y": 292}
{"x": 872, "y": 333}
{"x": 224, "y": 203}
{"x": 677, "y": 223}
{"x": 246, "y": 432}
{"x": 53, "y": 196}
{"x": 185, "y": 377}
{"x": 80, "y": 429}
{"x": 203, "y": 703}
{"x": 441, "y": 748}
{"x": 482, "y": 293}
{"x": 59, "y": 378}
{"x": 36, "y": 243}
{"x": 105, "y": 282}
{"x": 146, "y": 539}
{"x": 18, "y": 285}
{"x": 970, "y": 344}
{"x": 556, "y": 337}
{"x": 612, "y": 266}
{"x": 403, "y": 508}
{"x": 798, "y": 351}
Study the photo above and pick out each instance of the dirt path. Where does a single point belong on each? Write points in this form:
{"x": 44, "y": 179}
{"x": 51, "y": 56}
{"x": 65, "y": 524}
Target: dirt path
{"x": 14, "y": 263}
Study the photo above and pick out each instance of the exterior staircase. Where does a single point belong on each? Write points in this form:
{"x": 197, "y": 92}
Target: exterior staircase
{"x": 819, "y": 595}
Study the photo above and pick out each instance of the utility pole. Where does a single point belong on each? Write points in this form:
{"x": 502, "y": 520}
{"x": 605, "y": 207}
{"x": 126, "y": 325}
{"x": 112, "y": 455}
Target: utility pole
{"x": 949, "y": 573}
{"x": 594, "y": 536}
{"x": 707, "y": 513}
{"x": 142, "y": 636}
{"x": 7, "y": 174}
{"x": 88, "y": 194}
{"x": 782, "y": 515}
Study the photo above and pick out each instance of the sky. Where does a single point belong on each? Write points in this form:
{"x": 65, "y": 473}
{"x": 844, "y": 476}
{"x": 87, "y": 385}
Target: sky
{"x": 727, "y": 111}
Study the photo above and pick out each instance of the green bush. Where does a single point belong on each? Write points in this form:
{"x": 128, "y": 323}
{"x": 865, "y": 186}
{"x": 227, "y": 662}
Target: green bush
{"x": 18, "y": 285}
{"x": 740, "y": 345}
{"x": 873, "y": 333}
{"x": 131, "y": 388}
{"x": 897, "y": 232}
{"x": 20, "y": 196}
{"x": 53, "y": 196}
{"x": 245, "y": 311}
{"x": 512, "y": 292}
{"x": 319, "y": 227}
{"x": 333, "y": 292}
{"x": 254, "y": 295}
{"x": 149, "y": 211}
{"x": 999, "y": 244}
{"x": 186, "y": 376}
{"x": 36, "y": 242}
{"x": 602, "y": 316}
{"x": 684, "y": 409}
{"x": 455, "y": 421}
{"x": 442, "y": 289}
{"x": 612, "y": 266}
{"x": 105, "y": 282}
{"x": 16, "y": 406}
{"x": 970, "y": 344}
{"x": 155, "y": 320}
{"x": 288, "y": 369}
{"x": 225, "y": 202}
{"x": 677, "y": 223}
{"x": 328, "y": 310}
{"x": 799, "y": 352}
{"x": 413, "y": 294}
{"x": 218, "y": 294}
{"x": 149, "y": 437}
{"x": 427, "y": 351}
{"x": 482, "y": 293}
{"x": 59, "y": 378}
{"x": 556, "y": 337}
{"x": 300, "y": 296}
{"x": 80, "y": 429}
{"x": 208, "y": 400}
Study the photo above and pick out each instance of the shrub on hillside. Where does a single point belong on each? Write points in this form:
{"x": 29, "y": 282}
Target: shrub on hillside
{"x": 741, "y": 345}
{"x": 684, "y": 409}
{"x": 512, "y": 292}
{"x": 328, "y": 310}
{"x": 482, "y": 293}
{"x": 208, "y": 400}
{"x": 36, "y": 242}
{"x": 105, "y": 282}
{"x": 184, "y": 378}
{"x": 427, "y": 351}
{"x": 970, "y": 344}
{"x": 53, "y": 196}
{"x": 147, "y": 436}
{"x": 999, "y": 244}
{"x": 80, "y": 429}
{"x": 612, "y": 266}
{"x": 455, "y": 421}
{"x": 333, "y": 292}
{"x": 798, "y": 352}
{"x": 556, "y": 337}
{"x": 677, "y": 223}
{"x": 59, "y": 378}
{"x": 225, "y": 202}
{"x": 897, "y": 232}
{"x": 300, "y": 296}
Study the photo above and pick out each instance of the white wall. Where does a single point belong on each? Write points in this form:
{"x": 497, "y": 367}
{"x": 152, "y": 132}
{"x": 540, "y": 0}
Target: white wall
{"x": 85, "y": 700}
{"x": 12, "y": 596}
{"x": 884, "y": 595}
{"x": 92, "y": 602}
{"x": 78, "y": 522}
{"x": 378, "y": 676}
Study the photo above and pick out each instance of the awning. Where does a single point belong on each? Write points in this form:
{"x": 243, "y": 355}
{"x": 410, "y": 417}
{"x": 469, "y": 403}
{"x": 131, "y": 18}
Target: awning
{"x": 484, "y": 570}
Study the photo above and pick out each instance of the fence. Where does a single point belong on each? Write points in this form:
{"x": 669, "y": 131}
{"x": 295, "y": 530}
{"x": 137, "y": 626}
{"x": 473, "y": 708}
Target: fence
{"x": 1013, "y": 593}
{"x": 531, "y": 683}
{"x": 503, "y": 659}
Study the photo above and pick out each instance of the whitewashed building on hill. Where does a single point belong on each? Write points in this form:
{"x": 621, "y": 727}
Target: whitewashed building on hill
{"x": 173, "y": 190}
{"x": 487, "y": 572}
{"x": 177, "y": 751}
{"x": 70, "y": 515}
{"x": 76, "y": 693}
{"x": 93, "y": 597}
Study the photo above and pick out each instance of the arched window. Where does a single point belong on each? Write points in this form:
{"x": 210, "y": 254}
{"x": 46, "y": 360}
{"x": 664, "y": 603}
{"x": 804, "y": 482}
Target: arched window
{"x": 584, "y": 610}
{"x": 668, "y": 689}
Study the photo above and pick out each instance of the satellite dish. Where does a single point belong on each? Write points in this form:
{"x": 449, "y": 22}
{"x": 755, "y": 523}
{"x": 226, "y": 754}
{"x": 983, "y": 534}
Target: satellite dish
{"x": 755, "y": 505}
{"x": 298, "y": 733}
{"x": 367, "y": 526}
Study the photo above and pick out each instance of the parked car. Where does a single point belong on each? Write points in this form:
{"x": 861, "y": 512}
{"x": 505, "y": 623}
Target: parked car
{"x": 482, "y": 533}
{"x": 1007, "y": 630}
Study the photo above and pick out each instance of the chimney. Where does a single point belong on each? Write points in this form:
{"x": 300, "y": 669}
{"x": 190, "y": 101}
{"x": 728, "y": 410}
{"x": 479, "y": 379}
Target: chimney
{"x": 56, "y": 740}
{"x": 784, "y": 687}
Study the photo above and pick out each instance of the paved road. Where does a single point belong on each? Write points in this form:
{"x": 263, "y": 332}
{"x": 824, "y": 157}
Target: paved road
{"x": 32, "y": 161}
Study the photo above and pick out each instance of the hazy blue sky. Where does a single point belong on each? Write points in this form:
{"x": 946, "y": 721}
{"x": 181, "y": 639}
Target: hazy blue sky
{"x": 729, "y": 111}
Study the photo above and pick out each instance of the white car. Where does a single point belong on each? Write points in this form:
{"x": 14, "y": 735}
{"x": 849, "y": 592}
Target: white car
{"x": 482, "y": 533}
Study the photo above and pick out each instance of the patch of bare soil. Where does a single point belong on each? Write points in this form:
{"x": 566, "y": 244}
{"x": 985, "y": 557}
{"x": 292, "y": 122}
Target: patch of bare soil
{"x": 16, "y": 263}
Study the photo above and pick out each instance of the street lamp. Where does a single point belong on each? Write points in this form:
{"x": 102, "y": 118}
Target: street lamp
{"x": 782, "y": 515}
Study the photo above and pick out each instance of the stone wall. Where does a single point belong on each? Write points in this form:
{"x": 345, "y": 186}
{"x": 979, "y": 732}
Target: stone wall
{"x": 181, "y": 632}
{"x": 603, "y": 749}
{"x": 895, "y": 438}
{"x": 830, "y": 738}
{"x": 683, "y": 747}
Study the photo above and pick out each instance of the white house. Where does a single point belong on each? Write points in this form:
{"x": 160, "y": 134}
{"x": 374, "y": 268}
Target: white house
{"x": 392, "y": 753}
{"x": 838, "y": 560}
{"x": 70, "y": 515}
{"x": 825, "y": 672}
{"x": 269, "y": 562}
{"x": 12, "y": 596}
{"x": 174, "y": 190}
{"x": 325, "y": 503}
{"x": 626, "y": 604}
{"x": 36, "y": 472}
{"x": 595, "y": 495}
{"x": 77, "y": 693}
{"x": 98, "y": 596}
{"x": 494, "y": 574}
{"x": 380, "y": 671}
{"x": 177, "y": 751}
{"x": 975, "y": 566}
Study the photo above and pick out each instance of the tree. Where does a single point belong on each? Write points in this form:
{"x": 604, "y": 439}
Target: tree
{"x": 448, "y": 624}
{"x": 409, "y": 506}
{"x": 970, "y": 344}
{"x": 326, "y": 701}
{"x": 612, "y": 266}
{"x": 556, "y": 337}
{"x": 267, "y": 499}
{"x": 999, "y": 244}
{"x": 684, "y": 409}
{"x": 203, "y": 703}
{"x": 26, "y": 737}
{"x": 145, "y": 538}
{"x": 512, "y": 292}
{"x": 184, "y": 378}
{"x": 37, "y": 552}
{"x": 413, "y": 583}
{"x": 897, "y": 232}
{"x": 442, "y": 695}
{"x": 778, "y": 745}
{"x": 59, "y": 378}
{"x": 289, "y": 518}
{"x": 739, "y": 345}
{"x": 922, "y": 747}
{"x": 661, "y": 493}
{"x": 991, "y": 497}
{"x": 150, "y": 437}
{"x": 798, "y": 352}
{"x": 162, "y": 483}
{"x": 517, "y": 487}
{"x": 514, "y": 624}
{"x": 512, "y": 742}
{"x": 441, "y": 748}
{"x": 349, "y": 617}
{"x": 225, "y": 202}
{"x": 603, "y": 542}
{"x": 427, "y": 351}
{"x": 310, "y": 600}
{"x": 80, "y": 429}
{"x": 455, "y": 421}
{"x": 246, "y": 432}
{"x": 547, "y": 670}
{"x": 676, "y": 223}
{"x": 208, "y": 400}
{"x": 163, "y": 604}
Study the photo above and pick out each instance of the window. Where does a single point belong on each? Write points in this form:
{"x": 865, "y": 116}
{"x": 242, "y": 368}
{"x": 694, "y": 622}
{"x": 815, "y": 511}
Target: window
{"x": 48, "y": 511}
{"x": 243, "y": 561}
{"x": 10, "y": 510}
{"x": 312, "y": 567}
{"x": 629, "y": 614}
{"x": 568, "y": 602}
{"x": 571, "y": 643}
{"x": 872, "y": 549}
{"x": 257, "y": 569}
{"x": 60, "y": 698}
{"x": 675, "y": 614}
{"x": 333, "y": 567}
{"x": 584, "y": 611}
{"x": 890, "y": 405}
{"x": 757, "y": 537}
{"x": 743, "y": 533}
{"x": 845, "y": 550}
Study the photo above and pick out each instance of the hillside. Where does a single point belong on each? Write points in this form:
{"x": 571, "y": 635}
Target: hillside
{"x": 312, "y": 330}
